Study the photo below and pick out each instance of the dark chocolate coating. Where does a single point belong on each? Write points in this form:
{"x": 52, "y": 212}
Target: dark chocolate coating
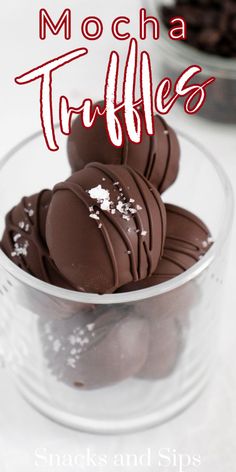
{"x": 168, "y": 316}
{"x": 99, "y": 250}
{"x": 187, "y": 241}
{"x": 156, "y": 157}
{"x": 24, "y": 242}
{"x": 93, "y": 350}
{"x": 165, "y": 342}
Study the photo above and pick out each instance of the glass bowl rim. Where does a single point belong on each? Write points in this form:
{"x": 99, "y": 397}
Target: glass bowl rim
{"x": 145, "y": 293}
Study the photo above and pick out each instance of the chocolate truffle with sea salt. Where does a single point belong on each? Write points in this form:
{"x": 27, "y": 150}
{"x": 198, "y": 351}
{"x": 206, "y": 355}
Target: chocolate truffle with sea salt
{"x": 92, "y": 350}
{"x": 187, "y": 240}
{"x": 156, "y": 157}
{"x": 24, "y": 242}
{"x": 106, "y": 226}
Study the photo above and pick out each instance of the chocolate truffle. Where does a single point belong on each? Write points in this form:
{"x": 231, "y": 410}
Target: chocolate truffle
{"x": 187, "y": 241}
{"x": 168, "y": 316}
{"x": 165, "y": 343}
{"x": 94, "y": 350}
{"x": 156, "y": 157}
{"x": 24, "y": 242}
{"x": 106, "y": 226}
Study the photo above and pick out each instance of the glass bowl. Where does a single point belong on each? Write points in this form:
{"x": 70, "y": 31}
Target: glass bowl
{"x": 176, "y": 56}
{"x": 122, "y": 362}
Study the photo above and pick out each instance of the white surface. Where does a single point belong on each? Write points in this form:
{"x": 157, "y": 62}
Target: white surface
{"x": 207, "y": 429}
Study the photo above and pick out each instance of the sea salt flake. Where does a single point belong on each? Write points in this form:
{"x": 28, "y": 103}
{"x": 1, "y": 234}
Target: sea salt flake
{"x": 100, "y": 225}
{"x": 90, "y": 326}
{"x": 71, "y": 362}
{"x": 16, "y": 237}
{"x": 105, "y": 205}
{"x": 72, "y": 340}
{"x": 138, "y": 207}
{"x": 98, "y": 193}
{"x": 20, "y": 250}
{"x": 94, "y": 216}
{"x": 120, "y": 207}
{"x": 21, "y": 224}
{"x": 83, "y": 341}
{"x": 131, "y": 200}
{"x": 57, "y": 345}
{"x": 125, "y": 217}
{"x": 143, "y": 233}
{"x": 102, "y": 196}
{"x": 30, "y": 212}
{"x": 166, "y": 131}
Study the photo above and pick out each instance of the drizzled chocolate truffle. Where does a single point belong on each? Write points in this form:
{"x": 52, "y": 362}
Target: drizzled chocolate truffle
{"x": 24, "y": 242}
{"x": 187, "y": 241}
{"x": 106, "y": 226}
{"x": 156, "y": 157}
{"x": 94, "y": 350}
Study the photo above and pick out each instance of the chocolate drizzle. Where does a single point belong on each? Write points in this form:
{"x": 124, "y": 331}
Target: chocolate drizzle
{"x": 151, "y": 159}
{"x": 168, "y": 132}
{"x": 140, "y": 231}
{"x": 156, "y": 157}
{"x": 125, "y": 151}
{"x": 24, "y": 241}
{"x": 187, "y": 241}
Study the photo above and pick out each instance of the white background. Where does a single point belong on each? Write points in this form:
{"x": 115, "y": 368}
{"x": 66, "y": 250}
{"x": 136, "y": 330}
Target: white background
{"x": 207, "y": 429}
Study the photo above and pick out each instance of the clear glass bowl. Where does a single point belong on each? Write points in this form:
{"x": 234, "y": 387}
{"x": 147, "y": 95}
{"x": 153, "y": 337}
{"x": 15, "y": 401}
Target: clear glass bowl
{"x": 114, "y": 363}
{"x": 175, "y": 56}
